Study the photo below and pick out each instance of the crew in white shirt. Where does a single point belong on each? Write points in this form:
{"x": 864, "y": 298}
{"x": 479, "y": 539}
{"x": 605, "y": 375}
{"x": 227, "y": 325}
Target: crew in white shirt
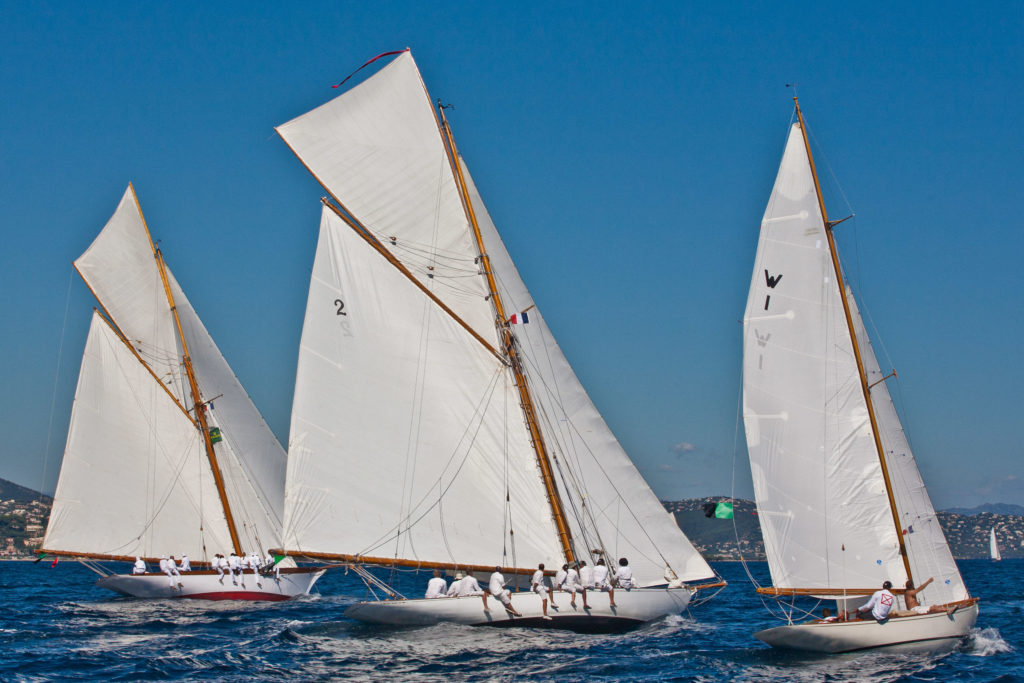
{"x": 572, "y": 586}
{"x": 170, "y": 569}
{"x": 601, "y": 581}
{"x": 235, "y": 567}
{"x": 437, "y": 587}
{"x": 140, "y": 566}
{"x": 586, "y": 581}
{"x": 254, "y": 565}
{"x": 220, "y": 564}
{"x": 624, "y": 574}
{"x": 558, "y": 583}
{"x": 497, "y": 588}
{"x": 465, "y": 585}
{"x": 538, "y": 587}
{"x": 269, "y": 562}
{"x": 184, "y": 565}
{"x": 879, "y": 605}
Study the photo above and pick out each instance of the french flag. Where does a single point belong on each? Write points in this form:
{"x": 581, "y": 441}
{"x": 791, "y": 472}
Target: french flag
{"x": 519, "y": 318}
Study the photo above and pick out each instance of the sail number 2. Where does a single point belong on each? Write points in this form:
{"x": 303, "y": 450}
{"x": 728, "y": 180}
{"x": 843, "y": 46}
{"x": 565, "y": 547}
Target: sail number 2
{"x": 341, "y": 306}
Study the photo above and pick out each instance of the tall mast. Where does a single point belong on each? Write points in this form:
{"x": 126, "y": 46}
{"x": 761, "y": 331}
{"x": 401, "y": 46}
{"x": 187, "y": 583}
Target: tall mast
{"x": 197, "y": 400}
{"x": 512, "y": 351}
{"x": 856, "y": 347}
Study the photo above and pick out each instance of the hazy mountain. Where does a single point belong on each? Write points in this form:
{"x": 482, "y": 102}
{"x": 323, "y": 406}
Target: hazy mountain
{"x": 11, "y": 491}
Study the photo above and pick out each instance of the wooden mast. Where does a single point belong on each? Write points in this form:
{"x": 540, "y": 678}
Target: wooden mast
{"x": 197, "y": 400}
{"x": 856, "y": 347}
{"x": 512, "y": 352}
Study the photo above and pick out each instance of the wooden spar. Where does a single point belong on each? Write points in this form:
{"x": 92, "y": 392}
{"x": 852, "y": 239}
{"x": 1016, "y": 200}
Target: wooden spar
{"x": 509, "y": 342}
{"x": 855, "y": 592}
{"x": 197, "y": 400}
{"x": 361, "y": 230}
{"x": 856, "y": 347}
{"x": 413, "y": 564}
{"x": 124, "y": 340}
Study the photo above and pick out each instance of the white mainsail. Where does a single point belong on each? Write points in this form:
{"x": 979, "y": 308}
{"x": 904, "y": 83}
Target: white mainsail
{"x": 135, "y": 457}
{"x": 993, "y": 545}
{"x": 408, "y": 438}
{"x": 823, "y": 501}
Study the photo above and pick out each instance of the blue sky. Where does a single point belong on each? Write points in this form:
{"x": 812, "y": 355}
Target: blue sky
{"x": 625, "y": 150}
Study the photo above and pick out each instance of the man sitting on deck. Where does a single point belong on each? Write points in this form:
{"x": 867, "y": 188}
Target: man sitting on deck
{"x": 497, "y": 587}
{"x": 466, "y": 584}
{"x": 538, "y": 587}
{"x": 437, "y": 587}
{"x": 914, "y": 607}
{"x": 879, "y": 605}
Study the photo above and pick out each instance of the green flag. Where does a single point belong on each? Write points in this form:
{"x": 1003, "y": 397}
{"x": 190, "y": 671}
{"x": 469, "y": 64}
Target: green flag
{"x": 723, "y": 511}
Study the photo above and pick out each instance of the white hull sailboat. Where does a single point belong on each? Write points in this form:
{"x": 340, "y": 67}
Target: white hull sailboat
{"x": 211, "y": 585}
{"x": 166, "y": 455}
{"x": 924, "y": 631}
{"x": 841, "y": 503}
{"x": 436, "y": 422}
{"x": 631, "y": 609}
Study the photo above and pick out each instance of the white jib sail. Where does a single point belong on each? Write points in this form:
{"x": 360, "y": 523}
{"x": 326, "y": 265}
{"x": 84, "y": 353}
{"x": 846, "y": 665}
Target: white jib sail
{"x": 816, "y": 470}
{"x": 607, "y": 500}
{"x": 134, "y": 479}
{"x": 993, "y": 546}
{"x": 406, "y": 433}
{"x": 250, "y": 457}
{"x": 927, "y": 549}
{"x": 378, "y": 150}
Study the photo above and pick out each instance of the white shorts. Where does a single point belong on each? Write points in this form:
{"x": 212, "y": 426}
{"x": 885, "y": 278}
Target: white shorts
{"x": 920, "y": 609}
{"x": 542, "y": 591}
{"x": 504, "y": 597}
{"x": 571, "y": 589}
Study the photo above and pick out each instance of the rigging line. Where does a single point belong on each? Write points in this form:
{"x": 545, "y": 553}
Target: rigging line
{"x": 56, "y": 380}
{"x": 415, "y": 422}
{"x": 481, "y": 410}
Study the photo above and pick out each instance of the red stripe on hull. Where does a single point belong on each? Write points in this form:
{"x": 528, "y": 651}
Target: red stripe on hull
{"x": 236, "y": 595}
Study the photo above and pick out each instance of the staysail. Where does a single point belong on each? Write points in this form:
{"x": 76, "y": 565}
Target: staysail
{"x": 827, "y": 512}
{"x": 408, "y": 439}
{"x": 135, "y": 432}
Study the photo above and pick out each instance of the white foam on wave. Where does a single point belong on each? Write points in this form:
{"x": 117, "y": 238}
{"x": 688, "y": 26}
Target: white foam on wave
{"x": 985, "y": 642}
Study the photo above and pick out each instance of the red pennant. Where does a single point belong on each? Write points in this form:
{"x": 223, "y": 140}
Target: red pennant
{"x": 382, "y": 54}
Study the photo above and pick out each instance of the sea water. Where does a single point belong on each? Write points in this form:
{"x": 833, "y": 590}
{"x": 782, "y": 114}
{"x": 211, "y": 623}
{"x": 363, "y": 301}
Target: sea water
{"x": 54, "y": 624}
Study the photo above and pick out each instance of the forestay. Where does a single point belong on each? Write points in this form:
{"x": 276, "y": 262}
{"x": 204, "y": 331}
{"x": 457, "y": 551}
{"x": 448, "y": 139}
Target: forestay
{"x": 406, "y": 432}
{"x": 612, "y": 507}
{"x": 134, "y": 479}
{"x": 815, "y": 466}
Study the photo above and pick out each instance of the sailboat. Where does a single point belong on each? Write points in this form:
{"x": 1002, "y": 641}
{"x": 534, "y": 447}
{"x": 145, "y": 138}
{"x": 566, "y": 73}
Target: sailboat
{"x": 165, "y": 455}
{"x": 436, "y": 422}
{"x": 840, "y": 500}
{"x": 993, "y": 546}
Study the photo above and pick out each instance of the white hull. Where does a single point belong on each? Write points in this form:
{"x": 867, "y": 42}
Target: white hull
{"x": 632, "y": 609}
{"x": 919, "y": 631}
{"x": 208, "y": 585}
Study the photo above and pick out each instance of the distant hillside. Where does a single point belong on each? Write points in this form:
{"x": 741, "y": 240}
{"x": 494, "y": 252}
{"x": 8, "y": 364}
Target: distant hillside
{"x": 716, "y": 539}
{"x": 994, "y": 508}
{"x": 11, "y": 491}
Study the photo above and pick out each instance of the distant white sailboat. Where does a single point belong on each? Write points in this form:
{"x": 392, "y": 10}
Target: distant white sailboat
{"x": 436, "y": 422}
{"x": 993, "y": 546}
{"x": 151, "y": 468}
{"x": 841, "y": 503}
